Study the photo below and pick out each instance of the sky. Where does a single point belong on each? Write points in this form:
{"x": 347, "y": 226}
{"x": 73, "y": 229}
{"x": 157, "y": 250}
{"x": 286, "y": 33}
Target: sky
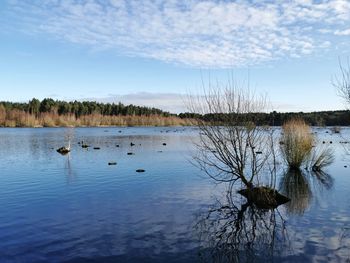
{"x": 156, "y": 52}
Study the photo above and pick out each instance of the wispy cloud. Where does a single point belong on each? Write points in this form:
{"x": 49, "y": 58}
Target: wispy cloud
{"x": 172, "y": 102}
{"x": 211, "y": 33}
{"x": 177, "y": 103}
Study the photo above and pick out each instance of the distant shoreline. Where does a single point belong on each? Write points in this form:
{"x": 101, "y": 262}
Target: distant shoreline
{"x": 20, "y": 119}
{"x": 101, "y": 126}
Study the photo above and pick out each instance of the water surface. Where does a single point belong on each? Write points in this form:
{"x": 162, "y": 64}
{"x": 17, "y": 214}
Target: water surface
{"x": 77, "y": 208}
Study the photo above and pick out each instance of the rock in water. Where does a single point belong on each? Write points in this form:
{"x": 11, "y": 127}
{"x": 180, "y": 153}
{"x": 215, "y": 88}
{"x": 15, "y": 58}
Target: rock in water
{"x": 63, "y": 150}
{"x": 264, "y": 197}
{"x": 140, "y": 170}
{"x": 112, "y": 163}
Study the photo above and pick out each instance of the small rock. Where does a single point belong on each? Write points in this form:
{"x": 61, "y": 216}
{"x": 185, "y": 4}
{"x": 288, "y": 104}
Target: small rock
{"x": 130, "y": 153}
{"x": 140, "y": 170}
{"x": 132, "y": 144}
{"x": 112, "y": 163}
{"x": 63, "y": 150}
{"x": 97, "y": 148}
{"x": 117, "y": 145}
{"x": 258, "y": 152}
{"x": 85, "y": 146}
{"x": 164, "y": 143}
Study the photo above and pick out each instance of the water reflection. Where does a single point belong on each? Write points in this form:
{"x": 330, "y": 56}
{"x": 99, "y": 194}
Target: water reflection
{"x": 296, "y": 185}
{"x": 241, "y": 233}
{"x": 323, "y": 180}
{"x": 237, "y": 231}
{"x": 68, "y": 170}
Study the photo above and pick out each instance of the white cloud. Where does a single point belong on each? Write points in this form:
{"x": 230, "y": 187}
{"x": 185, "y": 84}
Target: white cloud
{"x": 196, "y": 33}
{"x": 345, "y": 32}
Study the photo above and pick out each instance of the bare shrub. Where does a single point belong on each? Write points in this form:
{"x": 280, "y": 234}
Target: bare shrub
{"x": 231, "y": 148}
{"x": 342, "y": 81}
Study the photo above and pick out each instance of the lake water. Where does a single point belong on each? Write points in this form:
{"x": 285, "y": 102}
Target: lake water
{"x": 77, "y": 208}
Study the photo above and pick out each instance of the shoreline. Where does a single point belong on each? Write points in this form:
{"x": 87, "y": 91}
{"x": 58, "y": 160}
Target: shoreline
{"x": 100, "y": 126}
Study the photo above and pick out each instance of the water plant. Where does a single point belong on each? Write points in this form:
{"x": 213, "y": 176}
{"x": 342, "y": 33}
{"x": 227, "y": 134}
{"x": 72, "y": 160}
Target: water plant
{"x": 320, "y": 158}
{"x": 296, "y": 143}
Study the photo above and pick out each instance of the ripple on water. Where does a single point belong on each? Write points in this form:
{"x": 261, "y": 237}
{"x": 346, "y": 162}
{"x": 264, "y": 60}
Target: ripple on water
{"x": 58, "y": 208}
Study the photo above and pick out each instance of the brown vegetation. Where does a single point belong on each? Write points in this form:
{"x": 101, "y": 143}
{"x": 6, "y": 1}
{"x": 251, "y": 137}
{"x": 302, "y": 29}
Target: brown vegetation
{"x": 17, "y": 118}
{"x": 297, "y": 142}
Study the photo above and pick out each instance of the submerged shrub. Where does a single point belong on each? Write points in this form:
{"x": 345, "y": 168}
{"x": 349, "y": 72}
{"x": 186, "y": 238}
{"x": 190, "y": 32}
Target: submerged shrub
{"x": 297, "y": 143}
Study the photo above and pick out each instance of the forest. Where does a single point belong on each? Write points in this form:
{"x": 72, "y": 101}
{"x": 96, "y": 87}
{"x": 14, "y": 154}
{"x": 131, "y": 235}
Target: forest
{"x": 56, "y": 113}
{"x": 320, "y": 118}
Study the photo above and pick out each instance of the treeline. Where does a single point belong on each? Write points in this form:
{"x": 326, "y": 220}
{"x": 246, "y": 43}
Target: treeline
{"x": 80, "y": 108}
{"x": 320, "y": 118}
{"x": 55, "y": 113}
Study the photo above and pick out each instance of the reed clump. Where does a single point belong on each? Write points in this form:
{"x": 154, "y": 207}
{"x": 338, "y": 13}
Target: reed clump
{"x": 297, "y": 143}
{"x": 18, "y": 118}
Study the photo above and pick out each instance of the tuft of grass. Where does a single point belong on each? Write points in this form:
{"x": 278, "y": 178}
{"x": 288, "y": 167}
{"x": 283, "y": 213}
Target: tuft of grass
{"x": 320, "y": 158}
{"x": 297, "y": 143}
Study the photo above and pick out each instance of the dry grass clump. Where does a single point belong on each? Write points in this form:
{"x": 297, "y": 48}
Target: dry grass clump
{"x": 297, "y": 143}
{"x": 17, "y": 118}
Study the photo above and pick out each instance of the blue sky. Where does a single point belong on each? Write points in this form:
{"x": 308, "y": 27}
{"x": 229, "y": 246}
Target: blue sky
{"x": 155, "y": 52}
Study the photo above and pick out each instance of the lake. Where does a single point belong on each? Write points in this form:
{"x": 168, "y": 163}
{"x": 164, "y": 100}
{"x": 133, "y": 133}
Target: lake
{"x": 78, "y": 208}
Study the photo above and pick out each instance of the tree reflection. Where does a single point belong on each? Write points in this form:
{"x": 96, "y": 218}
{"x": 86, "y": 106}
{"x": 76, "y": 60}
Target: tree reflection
{"x": 241, "y": 233}
{"x": 237, "y": 231}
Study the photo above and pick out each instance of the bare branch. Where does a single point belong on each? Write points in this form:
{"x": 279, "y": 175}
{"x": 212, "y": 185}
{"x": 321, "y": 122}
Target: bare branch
{"x": 342, "y": 81}
{"x": 230, "y": 146}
